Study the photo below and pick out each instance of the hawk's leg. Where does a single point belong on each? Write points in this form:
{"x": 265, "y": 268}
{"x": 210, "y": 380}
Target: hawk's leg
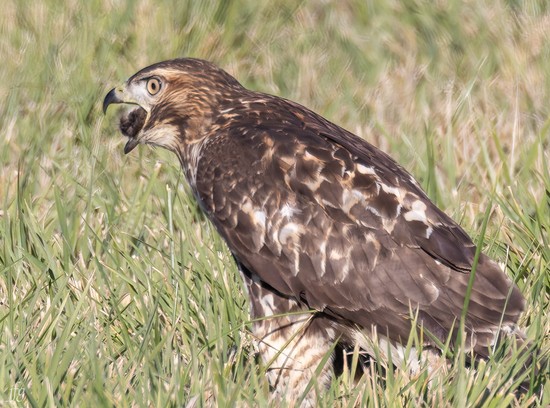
{"x": 293, "y": 342}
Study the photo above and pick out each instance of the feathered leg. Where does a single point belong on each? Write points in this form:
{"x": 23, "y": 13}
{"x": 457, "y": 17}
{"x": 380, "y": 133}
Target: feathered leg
{"x": 293, "y": 342}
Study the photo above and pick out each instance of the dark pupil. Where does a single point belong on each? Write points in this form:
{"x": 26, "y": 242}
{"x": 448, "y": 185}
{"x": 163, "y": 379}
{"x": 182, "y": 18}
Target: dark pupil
{"x": 153, "y": 85}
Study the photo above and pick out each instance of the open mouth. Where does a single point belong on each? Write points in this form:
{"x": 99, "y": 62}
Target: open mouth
{"x": 130, "y": 125}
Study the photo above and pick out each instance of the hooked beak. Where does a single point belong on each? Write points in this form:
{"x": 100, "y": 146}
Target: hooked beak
{"x": 112, "y": 97}
{"x": 131, "y": 123}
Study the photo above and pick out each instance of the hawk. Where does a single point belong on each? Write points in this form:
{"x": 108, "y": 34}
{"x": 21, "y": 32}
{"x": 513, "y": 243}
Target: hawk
{"x": 334, "y": 240}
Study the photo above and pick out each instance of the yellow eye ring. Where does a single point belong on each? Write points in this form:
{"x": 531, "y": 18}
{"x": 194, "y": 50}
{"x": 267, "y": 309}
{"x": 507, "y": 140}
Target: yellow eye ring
{"x": 153, "y": 86}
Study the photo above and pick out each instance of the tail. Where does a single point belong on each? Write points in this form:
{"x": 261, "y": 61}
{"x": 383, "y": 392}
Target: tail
{"x": 535, "y": 368}
{"x": 529, "y": 365}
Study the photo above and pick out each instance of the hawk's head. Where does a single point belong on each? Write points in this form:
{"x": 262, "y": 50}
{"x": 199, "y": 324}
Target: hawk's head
{"x": 176, "y": 100}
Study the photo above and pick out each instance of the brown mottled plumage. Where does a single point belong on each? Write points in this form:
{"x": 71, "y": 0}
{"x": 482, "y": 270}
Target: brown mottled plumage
{"x": 317, "y": 219}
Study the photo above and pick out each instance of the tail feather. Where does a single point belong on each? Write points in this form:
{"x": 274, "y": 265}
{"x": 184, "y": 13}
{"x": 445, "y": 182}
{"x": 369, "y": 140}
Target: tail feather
{"x": 533, "y": 362}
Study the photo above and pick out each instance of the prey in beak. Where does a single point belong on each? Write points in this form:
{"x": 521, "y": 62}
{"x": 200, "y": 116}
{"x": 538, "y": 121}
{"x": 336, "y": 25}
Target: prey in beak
{"x": 171, "y": 106}
{"x": 131, "y": 122}
{"x": 130, "y": 125}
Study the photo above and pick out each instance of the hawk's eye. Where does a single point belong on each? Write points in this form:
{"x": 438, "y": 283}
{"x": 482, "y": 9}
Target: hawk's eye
{"x": 153, "y": 86}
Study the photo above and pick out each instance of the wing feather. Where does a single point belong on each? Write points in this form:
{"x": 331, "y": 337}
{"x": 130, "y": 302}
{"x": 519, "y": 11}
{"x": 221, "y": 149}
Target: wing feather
{"x": 343, "y": 226}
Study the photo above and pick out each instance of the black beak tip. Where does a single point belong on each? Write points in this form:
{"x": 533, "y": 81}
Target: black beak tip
{"x": 130, "y": 145}
{"x": 110, "y": 98}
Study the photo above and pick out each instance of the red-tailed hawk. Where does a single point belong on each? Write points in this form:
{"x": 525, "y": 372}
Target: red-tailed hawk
{"x": 317, "y": 219}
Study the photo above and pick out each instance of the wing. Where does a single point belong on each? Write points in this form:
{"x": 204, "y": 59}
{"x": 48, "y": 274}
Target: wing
{"x": 321, "y": 215}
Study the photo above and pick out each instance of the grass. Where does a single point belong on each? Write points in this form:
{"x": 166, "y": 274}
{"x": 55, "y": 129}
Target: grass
{"x": 115, "y": 291}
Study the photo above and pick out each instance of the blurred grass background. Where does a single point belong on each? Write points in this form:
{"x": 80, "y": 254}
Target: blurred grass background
{"x": 114, "y": 290}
